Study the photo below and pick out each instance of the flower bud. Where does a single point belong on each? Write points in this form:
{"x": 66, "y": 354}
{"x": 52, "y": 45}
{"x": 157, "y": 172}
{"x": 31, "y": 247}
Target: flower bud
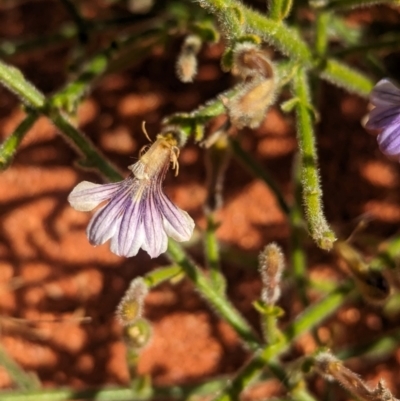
{"x": 186, "y": 66}
{"x": 271, "y": 264}
{"x": 138, "y": 334}
{"x": 130, "y": 308}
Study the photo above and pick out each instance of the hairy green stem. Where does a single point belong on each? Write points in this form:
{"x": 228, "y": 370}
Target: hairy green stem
{"x": 297, "y": 254}
{"x": 10, "y": 145}
{"x": 312, "y": 194}
{"x": 321, "y": 33}
{"x": 279, "y": 9}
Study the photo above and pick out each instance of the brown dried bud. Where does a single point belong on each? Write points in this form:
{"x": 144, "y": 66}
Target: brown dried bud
{"x": 332, "y": 369}
{"x": 249, "y": 106}
{"x": 251, "y": 61}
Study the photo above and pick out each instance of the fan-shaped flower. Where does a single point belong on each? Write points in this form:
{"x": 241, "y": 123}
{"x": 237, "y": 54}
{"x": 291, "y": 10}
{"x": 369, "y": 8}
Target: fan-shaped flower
{"x": 138, "y": 214}
{"x": 386, "y": 117}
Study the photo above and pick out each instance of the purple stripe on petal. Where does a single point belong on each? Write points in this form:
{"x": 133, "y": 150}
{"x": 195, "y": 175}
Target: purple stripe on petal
{"x": 87, "y": 195}
{"x": 105, "y": 221}
{"x": 380, "y": 118}
{"x": 156, "y": 241}
{"x": 385, "y": 94}
{"x": 131, "y": 234}
{"x": 177, "y": 223}
{"x": 389, "y": 140}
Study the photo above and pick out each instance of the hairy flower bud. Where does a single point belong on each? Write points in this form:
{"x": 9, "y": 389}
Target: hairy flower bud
{"x": 186, "y": 65}
{"x": 271, "y": 264}
{"x": 131, "y": 306}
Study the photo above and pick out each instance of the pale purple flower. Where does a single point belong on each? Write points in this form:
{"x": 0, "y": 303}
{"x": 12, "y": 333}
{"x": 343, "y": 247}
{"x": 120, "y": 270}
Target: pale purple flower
{"x": 137, "y": 214}
{"x": 386, "y": 117}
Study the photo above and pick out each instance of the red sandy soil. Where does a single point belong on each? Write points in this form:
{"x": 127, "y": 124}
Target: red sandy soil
{"x": 51, "y": 277}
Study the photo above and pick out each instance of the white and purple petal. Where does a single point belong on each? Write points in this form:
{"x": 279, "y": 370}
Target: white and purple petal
{"x": 389, "y": 141}
{"x": 129, "y": 238}
{"x": 381, "y": 118}
{"x": 385, "y": 94}
{"x": 177, "y": 223}
{"x": 155, "y": 241}
{"x": 105, "y": 221}
{"x": 137, "y": 215}
{"x": 88, "y": 195}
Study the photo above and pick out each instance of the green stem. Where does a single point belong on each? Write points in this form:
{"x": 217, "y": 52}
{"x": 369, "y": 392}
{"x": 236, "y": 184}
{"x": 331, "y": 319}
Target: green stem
{"x": 23, "y": 380}
{"x": 10, "y": 48}
{"x": 10, "y": 145}
{"x": 376, "y": 349}
{"x": 229, "y": 15}
{"x": 92, "y": 156}
{"x": 345, "y": 77}
{"x": 312, "y": 194}
{"x": 321, "y": 33}
{"x": 298, "y": 257}
{"x": 212, "y": 255}
{"x": 158, "y": 276}
{"x": 271, "y": 332}
{"x": 117, "y": 393}
{"x": 389, "y": 44}
{"x": 79, "y": 21}
{"x": 14, "y": 80}
{"x": 219, "y": 303}
{"x": 258, "y": 171}
{"x": 274, "y": 9}
{"x": 296, "y": 388}
{"x": 310, "y": 318}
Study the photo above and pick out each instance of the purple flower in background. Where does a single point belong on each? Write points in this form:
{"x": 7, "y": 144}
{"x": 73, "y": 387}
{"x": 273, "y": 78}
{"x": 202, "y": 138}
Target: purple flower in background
{"x": 386, "y": 117}
{"x": 138, "y": 214}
